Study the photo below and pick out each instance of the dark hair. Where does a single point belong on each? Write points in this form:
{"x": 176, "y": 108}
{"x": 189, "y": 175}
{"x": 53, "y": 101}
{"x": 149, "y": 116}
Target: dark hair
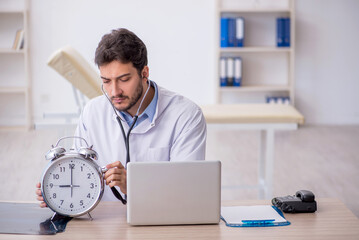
{"x": 124, "y": 46}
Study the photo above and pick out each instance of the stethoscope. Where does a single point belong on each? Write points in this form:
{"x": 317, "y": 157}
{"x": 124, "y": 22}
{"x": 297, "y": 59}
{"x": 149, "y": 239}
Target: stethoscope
{"x": 126, "y": 137}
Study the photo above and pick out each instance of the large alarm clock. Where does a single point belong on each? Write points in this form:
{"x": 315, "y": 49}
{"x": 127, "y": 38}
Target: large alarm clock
{"x": 72, "y": 183}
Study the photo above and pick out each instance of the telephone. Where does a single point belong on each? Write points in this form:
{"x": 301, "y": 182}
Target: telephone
{"x": 302, "y": 202}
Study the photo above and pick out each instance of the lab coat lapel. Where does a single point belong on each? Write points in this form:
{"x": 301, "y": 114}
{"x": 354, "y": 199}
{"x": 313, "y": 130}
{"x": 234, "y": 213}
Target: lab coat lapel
{"x": 146, "y": 125}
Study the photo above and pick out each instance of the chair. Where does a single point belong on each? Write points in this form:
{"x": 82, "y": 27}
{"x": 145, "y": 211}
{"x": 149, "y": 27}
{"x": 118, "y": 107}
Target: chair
{"x": 84, "y": 79}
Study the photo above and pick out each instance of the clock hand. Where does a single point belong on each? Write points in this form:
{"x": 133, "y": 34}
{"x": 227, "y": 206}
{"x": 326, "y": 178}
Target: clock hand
{"x": 68, "y": 185}
{"x": 71, "y": 183}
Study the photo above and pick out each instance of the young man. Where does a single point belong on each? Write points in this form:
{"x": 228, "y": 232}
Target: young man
{"x": 166, "y": 126}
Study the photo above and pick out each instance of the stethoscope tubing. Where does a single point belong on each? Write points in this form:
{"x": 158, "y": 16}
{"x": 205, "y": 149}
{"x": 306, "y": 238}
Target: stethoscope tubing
{"x": 126, "y": 137}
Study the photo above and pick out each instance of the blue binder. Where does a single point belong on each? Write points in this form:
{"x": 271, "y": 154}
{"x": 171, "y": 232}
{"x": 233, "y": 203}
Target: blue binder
{"x": 278, "y": 100}
{"x": 223, "y": 72}
{"x": 231, "y": 32}
{"x": 283, "y": 32}
{"x": 237, "y": 72}
{"x": 230, "y": 71}
{"x": 287, "y": 32}
{"x": 239, "y": 32}
{"x": 280, "y": 32}
{"x": 224, "y": 32}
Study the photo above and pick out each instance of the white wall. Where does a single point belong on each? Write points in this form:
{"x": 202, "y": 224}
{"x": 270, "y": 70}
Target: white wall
{"x": 179, "y": 36}
{"x": 327, "y": 61}
{"x": 181, "y": 41}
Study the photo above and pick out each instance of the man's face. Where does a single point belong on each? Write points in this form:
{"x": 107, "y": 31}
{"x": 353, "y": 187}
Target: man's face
{"x": 123, "y": 85}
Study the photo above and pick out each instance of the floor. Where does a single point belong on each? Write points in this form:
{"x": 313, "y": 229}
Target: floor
{"x": 323, "y": 159}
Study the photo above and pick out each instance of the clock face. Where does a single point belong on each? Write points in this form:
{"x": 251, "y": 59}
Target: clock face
{"x": 72, "y": 186}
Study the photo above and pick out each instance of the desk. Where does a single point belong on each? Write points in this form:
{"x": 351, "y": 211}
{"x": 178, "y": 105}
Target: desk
{"x": 332, "y": 221}
{"x": 267, "y": 118}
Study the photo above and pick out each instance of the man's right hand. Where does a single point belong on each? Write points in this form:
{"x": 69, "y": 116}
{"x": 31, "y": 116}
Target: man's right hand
{"x": 39, "y": 195}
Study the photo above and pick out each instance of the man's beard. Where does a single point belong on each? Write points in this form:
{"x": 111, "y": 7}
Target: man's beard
{"x": 133, "y": 100}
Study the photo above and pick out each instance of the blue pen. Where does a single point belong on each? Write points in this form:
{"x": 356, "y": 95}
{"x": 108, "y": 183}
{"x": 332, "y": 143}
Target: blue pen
{"x": 256, "y": 223}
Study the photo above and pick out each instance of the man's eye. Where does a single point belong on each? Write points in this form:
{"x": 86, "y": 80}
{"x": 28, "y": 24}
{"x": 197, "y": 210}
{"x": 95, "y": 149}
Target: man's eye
{"x": 124, "y": 79}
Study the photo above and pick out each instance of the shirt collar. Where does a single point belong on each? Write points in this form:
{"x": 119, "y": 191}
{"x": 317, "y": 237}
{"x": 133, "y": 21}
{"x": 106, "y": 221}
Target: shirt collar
{"x": 151, "y": 108}
{"x": 149, "y": 112}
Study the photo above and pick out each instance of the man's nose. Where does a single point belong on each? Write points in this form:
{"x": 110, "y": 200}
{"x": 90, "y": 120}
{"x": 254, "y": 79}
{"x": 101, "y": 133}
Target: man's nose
{"x": 116, "y": 89}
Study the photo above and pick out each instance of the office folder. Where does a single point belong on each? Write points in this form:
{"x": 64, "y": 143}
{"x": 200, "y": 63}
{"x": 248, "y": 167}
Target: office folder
{"x": 222, "y": 72}
{"x": 230, "y": 71}
{"x": 278, "y": 100}
{"x": 237, "y": 72}
{"x": 231, "y": 32}
{"x": 239, "y": 32}
{"x": 253, "y": 216}
{"x": 280, "y": 32}
{"x": 224, "y": 32}
{"x": 283, "y": 32}
{"x": 287, "y": 32}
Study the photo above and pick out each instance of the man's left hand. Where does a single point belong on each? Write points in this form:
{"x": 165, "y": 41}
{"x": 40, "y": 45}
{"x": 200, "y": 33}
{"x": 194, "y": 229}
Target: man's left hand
{"x": 116, "y": 175}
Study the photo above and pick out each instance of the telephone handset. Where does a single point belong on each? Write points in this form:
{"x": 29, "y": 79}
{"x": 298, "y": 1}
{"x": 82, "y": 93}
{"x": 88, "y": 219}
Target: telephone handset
{"x": 302, "y": 202}
{"x": 305, "y": 195}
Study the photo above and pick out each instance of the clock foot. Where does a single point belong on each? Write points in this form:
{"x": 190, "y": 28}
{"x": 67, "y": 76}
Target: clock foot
{"x": 53, "y": 216}
{"x": 90, "y": 216}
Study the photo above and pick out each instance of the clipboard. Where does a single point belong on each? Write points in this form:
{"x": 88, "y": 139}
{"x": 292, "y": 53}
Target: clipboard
{"x": 253, "y": 216}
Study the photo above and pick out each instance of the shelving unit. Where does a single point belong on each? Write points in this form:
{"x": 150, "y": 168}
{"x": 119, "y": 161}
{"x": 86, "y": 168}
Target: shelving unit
{"x": 15, "y": 84}
{"x": 267, "y": 70}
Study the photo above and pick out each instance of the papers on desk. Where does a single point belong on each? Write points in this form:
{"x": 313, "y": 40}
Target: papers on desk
{"x": 253, "y": 216}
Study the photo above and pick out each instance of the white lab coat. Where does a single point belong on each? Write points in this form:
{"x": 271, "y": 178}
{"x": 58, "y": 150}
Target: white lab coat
{"x": 176, "y": 133}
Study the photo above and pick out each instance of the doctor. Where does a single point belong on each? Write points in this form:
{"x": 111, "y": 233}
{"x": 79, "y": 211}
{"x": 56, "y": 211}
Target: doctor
{"x": 157, "y": 124}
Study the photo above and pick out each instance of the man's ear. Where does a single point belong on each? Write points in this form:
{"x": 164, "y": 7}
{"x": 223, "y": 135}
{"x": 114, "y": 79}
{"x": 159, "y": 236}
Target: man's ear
{"x": 145, "y": 72}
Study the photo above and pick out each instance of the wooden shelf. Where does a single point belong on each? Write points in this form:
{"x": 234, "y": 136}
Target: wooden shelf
{"x": 255, "y": 10}
{"x": 15, "y": 81}
{"x": 10, "y": 50}
{"x": 13, "y": 90}
{"x": 262, "y": 88}
{"x": 12, "y": 11}
{"x": 14, "y": 128}
{"x": 265, "y": 68}
{"x": 255, "y": 49}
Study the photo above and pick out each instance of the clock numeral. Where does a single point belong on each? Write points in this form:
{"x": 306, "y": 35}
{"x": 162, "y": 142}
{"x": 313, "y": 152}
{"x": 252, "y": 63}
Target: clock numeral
{"x": 81, "y": 202}
{"x": 72, "y": 166}
{"x": 62, "y": 201}
{"x": 88, "y": 196}
{"x": 71, "y": 205}
{"x": 54, "y": 195}
{"x": 62, "y": 169}
{"x": 56, "y": 176}
{"x": 82, "y": 168}
{"x": 92, "y": 185}
{"x": 51, "y": 185}
{"x": 89, "y": 176}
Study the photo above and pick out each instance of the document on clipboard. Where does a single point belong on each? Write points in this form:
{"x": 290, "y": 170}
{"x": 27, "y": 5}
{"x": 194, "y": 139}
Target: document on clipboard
{"x": 253, "y": 216}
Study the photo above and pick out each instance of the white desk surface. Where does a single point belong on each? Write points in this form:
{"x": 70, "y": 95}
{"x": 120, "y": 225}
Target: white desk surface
{"x": 251, "y": 113}
{"x": 332, "y": 221}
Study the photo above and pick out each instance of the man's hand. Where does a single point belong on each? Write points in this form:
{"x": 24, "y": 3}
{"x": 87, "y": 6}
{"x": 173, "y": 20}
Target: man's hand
{"x": 39, "y": 195}
{"x": 116, "y": 176}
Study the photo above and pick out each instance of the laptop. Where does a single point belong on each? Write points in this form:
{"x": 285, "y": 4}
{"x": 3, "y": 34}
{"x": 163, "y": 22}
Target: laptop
{"x": 171, "y": 193}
